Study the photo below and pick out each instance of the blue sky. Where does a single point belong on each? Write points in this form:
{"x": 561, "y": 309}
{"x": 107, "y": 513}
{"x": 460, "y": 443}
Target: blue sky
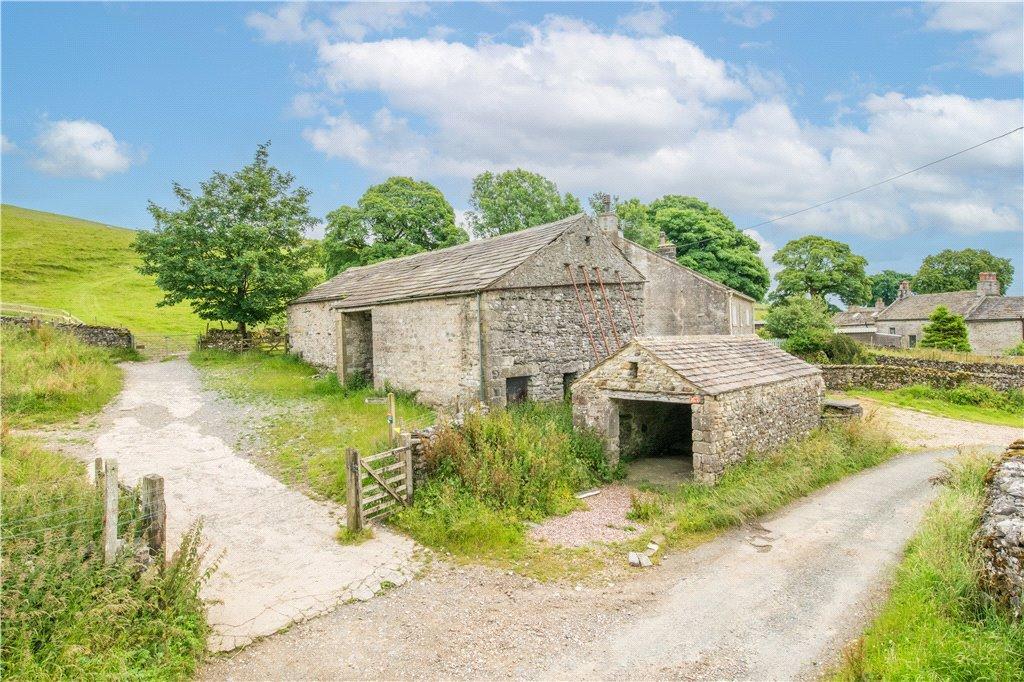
{"x": 760, "y": 109}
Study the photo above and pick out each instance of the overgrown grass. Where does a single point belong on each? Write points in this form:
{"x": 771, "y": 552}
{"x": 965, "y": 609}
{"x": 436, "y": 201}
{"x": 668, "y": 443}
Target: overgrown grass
{"x": 315, "y": 418}
{"x": 65, "y": 614}
{"x": 49, "y": 376}
{"x": 938, "y": 624}
{"x": 950, "y": 356}
{"x": 85, "y": 268}
{"x": 970, "y": 402}
{"x": 761, "y": 485}
{"x": 495, "y": 473}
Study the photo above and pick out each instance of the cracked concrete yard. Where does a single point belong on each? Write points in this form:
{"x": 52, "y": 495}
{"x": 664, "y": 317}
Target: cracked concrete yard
{"x": 278, "y": 561}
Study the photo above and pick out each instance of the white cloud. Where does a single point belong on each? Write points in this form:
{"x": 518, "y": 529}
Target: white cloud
{"x": 440, "y": 32}
{"x": 6, "y": 146}
{"x": 966, "y": 217}
{"x": 291, "y": 22}
{"x": 999, "y": 28}
{"x": 647, "y": 21}
{"x": 645, "y": 116}
{"x": 768, "y": 249}
{"x": 80, "y": 149}
{"x": 756, "y": 45}
{"x": 746, "y": 14}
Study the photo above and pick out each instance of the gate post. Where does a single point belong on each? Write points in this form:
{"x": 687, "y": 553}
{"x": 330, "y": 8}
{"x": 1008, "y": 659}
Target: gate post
{"x": 111, "y": 493}
{"x": 154, "y": 514}
{"x": 354, "y": 489}
{"x": 408, "y": 472}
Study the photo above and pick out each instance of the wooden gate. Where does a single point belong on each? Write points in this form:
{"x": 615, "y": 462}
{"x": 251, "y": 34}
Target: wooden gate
{"x": 378, "y": 485}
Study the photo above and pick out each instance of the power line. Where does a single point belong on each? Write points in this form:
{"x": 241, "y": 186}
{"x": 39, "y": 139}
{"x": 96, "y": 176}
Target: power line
{"x": 882, "y": 182}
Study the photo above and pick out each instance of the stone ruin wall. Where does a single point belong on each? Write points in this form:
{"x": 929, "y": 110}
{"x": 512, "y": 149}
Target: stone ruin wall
{"x": 94, "y": 335}
{"x": 1001, "y": 533}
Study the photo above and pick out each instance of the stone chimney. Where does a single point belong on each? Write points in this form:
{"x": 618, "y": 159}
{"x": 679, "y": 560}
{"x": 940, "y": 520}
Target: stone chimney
{"x": 879, "y": 304}
{"x": 988, "y": 285}
{"x": 666, "y": 249}
{"x": 608, "y": 222}
{"x": 904, "y": 291}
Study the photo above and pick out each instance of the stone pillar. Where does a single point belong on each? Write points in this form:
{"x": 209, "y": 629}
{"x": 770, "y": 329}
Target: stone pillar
{"x": 666, "y": 249}
{"x": 988, "y": 285}
{"x": 904, "y": 291}
{"x": 608, "y": 222}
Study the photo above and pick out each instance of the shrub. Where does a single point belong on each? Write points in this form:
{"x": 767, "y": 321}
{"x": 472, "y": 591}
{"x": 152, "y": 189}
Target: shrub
{"x": 1016, "y": 351}
{"x": 843, "y": 350}
{"x": 645, "y": 505}
{"x": 946, "y": 331}
{"x": 804, "y": 323}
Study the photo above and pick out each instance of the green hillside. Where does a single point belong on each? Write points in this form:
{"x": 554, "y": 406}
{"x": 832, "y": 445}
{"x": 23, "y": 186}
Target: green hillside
{"x": 85, "y": 268}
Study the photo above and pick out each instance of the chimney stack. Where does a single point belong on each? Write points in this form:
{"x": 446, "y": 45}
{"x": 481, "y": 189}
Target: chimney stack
{"x": 608, "y": 222}
{"x": 666, "y": 249}
{"x": 904, "y": 290}
{"x": 879, "y": 304}
{"x": 988, "y": 285}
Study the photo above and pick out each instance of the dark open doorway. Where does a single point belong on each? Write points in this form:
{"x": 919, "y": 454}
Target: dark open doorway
{"x": 656, "y": 441}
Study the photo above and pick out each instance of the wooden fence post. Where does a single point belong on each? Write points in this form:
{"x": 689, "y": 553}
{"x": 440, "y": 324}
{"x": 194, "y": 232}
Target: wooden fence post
{"x": 111, "y": 493}
{"x": 154, "y": 514}
{"x": 98, "y": 473}
{"x": 408, "y": 472}
{"x": 391, "y": 419}
{"x": 355, "y": 485}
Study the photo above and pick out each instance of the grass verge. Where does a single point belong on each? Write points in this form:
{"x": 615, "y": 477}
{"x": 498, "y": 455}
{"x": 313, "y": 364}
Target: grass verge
{"x": 49, "y": 376}
{"x": 970, "y": 402}
{"x": 938, "y": 624}
{"x": 313, "y": 418}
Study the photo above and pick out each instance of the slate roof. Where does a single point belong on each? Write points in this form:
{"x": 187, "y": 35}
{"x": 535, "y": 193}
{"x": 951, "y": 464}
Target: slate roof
{"x": 999, "y": 308}
{"x": 720, "y": 364}
{"x": 921, "y": 306}
{"x": 855, "y": 316}
{"x": 461, "y": 269}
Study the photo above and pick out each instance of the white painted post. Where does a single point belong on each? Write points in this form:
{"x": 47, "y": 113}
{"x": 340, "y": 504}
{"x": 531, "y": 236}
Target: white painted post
{"x": 110, "y": 502}
{"x": 408, "y": 473}
{"x": 391, "y": 419}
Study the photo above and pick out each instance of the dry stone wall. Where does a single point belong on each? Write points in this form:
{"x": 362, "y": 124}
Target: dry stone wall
{"x": 1001, "y": 534}
{"x": 999, "y": 375}
{"x": 94, "y": 335}
{"x": 892, "y": 373}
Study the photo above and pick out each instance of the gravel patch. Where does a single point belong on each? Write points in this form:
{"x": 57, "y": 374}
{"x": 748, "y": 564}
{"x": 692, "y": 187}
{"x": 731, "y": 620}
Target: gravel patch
{"x": 602, "y": 520}
{"x": 919, "y": 429}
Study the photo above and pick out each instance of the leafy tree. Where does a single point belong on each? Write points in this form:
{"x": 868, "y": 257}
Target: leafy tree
{"x": 515, "y": 200}
{"x": 235, "y": 251}
{"x": 946, "y": 330}
{"x": 710, "y": 243}
{"x": 398, "y": 217}
{"x": 886, "y": 285}
{"x": 804, "y": 323}
{"x": 951, "y": 270}
{"x": 818, "y": 266}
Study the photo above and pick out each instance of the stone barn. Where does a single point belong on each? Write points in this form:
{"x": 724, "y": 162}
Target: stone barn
{"x": 507, "y": 318}
{"x": 705, "y": 400}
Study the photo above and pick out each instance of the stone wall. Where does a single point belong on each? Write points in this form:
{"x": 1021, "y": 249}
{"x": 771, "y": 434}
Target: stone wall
{"x": 356, "y": 344}
{"x": 754, "y": 420}
{"x": 311, "y": 332}
{"x": 540, "y": 333}
{"x": 429, "y": 346}
{"x": 94, "y": 335}
{"x": 1001, "y": 533}
{"x": 999, "y": 375}
{"x": 904, "y": 329}
{"x": 887, "y": 378}
{"x": 994, "y": 337}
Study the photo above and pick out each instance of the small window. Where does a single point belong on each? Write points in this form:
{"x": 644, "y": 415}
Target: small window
{"x": 747, "y": 315}
{"x": 567, "y": 380}
{"x": 913, "y": 340}
{"x": 892, "y": 330}
{"x": 632, "y": 370}
{"x": 516, "y": 389}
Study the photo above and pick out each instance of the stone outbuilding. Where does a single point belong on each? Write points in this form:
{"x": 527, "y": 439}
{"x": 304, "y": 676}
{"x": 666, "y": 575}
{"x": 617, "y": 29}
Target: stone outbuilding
{"x": 706, "y": 399}
{"x": 507, "y": 318}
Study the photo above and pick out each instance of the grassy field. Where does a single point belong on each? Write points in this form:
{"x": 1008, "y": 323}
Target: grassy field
{"x": 938, "y": 624}
{"x": 968, "y": 403}
{"x": 920, "y": 353}
{"x": 85, "y": 268}
{"x": 65, "y": 614}
{"x": 316, "y": 417}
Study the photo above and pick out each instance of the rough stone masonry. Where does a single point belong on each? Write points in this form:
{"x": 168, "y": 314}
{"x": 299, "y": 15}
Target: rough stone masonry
{"x": 1001, "y": 534}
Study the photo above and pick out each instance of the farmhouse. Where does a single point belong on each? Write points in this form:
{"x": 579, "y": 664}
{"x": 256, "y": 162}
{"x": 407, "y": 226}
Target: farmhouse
{"x": 994, "y": 322}
{"x": 510, "y": 317}
{"x": 706, "y": 400}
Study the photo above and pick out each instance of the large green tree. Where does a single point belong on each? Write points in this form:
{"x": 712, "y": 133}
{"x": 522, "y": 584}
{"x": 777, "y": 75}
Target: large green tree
{"x": 886, "y": 285}
{"x": 946, "y": 330}
{"x": 952, "y": 270}
{"x": 818, "y": 267}
{"x": 398, "y": 217}
{"x": 804, "y": 323}
{"x": 708, "y": 241}
{"x": 515, "y": 200}
{"x": 236, "y": 250}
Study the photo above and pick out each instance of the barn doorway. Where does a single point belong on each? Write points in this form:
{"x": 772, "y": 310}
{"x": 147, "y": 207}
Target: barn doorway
{"x": 656, "y": 441}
